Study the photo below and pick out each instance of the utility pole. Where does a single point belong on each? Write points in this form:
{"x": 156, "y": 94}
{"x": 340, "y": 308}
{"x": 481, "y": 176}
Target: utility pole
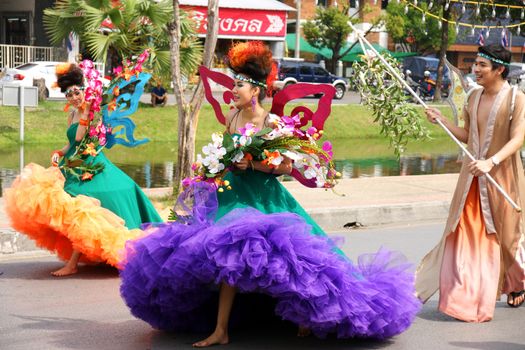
{"x": 298, "y": 30}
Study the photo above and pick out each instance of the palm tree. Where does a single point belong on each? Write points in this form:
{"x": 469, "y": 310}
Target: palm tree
{"x": 135, "y": 25}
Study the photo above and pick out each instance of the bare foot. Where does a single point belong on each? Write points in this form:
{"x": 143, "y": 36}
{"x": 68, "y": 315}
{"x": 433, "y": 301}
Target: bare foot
{"x": 303, "y": 332}
{"x": 219, "y": 337}
{"x": 65, "y": 271}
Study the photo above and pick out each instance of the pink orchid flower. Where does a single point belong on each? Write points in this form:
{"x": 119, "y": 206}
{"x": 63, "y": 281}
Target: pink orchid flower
{"x": 92, "y": 132}
{"x": 249, "y": 130}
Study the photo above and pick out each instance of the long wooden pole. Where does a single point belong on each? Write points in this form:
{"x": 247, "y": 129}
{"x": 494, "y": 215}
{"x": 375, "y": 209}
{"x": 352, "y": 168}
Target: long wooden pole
{"x": 363, "y": 41}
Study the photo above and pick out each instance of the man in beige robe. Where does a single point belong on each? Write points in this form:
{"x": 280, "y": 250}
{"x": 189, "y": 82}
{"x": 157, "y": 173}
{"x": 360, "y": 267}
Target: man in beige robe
{"x": 482, "y": 252}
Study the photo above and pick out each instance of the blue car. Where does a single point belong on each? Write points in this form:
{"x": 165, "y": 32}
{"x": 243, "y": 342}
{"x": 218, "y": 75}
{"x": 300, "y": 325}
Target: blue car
{"x": 291, "y": 71}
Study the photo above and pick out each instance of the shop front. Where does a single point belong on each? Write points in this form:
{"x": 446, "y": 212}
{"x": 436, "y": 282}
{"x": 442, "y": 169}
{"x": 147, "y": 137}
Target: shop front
{"x": 243, "y": 20}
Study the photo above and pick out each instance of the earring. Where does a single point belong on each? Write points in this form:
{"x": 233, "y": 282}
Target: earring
{"x": 254, "y": 103}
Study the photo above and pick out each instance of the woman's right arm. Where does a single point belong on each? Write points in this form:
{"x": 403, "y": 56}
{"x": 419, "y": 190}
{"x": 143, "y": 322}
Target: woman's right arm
{"x": 57, "y": 154}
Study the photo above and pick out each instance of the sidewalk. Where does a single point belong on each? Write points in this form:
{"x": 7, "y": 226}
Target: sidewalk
{"x": 372, "y": 201}
{"x": 369, "y": 201}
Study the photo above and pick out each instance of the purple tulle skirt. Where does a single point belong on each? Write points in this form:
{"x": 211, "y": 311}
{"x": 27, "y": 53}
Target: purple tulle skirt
{"x": 170, "y": 276}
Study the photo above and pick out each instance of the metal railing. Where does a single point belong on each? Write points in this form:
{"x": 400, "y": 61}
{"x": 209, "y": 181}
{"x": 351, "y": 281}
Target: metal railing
{"x": 15, "y": 55}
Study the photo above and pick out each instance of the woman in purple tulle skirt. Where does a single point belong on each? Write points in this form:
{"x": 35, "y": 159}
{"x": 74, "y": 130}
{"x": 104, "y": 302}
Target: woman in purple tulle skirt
{"x": 257, "y": 239}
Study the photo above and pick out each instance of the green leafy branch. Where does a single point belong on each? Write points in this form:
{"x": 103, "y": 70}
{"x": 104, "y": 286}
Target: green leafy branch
{"x": 385, "y": 96}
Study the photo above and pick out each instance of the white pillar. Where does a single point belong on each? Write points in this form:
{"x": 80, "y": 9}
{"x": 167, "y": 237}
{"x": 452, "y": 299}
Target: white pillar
{"x": 73, "y": 48}
{"x": 277, "y": 48}
{"x": 298, "y": 30}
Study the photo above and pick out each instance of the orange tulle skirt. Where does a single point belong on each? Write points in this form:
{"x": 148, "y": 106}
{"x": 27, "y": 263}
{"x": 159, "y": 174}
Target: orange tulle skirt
{"x": 39, "y": 207}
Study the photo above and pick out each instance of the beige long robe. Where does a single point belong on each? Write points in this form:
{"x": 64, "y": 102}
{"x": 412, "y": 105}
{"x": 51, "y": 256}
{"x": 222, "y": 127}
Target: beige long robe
{"x": 499, "y": 216}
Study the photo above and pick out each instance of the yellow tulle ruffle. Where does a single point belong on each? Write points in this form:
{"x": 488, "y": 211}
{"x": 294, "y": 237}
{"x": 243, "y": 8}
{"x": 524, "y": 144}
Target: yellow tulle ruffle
{"x": 39, "y": 207}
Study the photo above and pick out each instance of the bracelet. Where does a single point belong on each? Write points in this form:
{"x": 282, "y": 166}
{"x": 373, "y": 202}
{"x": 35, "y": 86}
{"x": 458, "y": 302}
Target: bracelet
{"x": 60, "y": 153}
{"x": 251, "y": 164}
{"x": 83, "y": 122}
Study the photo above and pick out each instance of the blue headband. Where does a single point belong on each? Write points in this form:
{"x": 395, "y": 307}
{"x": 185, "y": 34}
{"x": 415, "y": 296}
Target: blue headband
{"x": 493, "y": 59}
{"x": 249, "y": 80}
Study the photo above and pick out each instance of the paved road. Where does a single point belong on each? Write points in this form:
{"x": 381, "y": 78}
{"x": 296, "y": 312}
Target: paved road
{"x": 86, "y": 312}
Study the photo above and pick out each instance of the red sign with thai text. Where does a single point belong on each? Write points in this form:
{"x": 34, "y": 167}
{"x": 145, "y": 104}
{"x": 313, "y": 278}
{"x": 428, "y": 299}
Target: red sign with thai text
{"x": 242, "y": 22}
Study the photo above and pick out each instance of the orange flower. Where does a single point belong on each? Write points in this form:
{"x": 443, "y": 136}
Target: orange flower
{"x": 273, "y": 159}
{"x": 116, "y": 91}
{"x": 127, "y": 74}
{"x": 248, "y": 156}
{"x": 86, "y": 176}
{"x": 112, "y": 105}
{"x": 90, "y": 149}
{"x": 308, "y": 150}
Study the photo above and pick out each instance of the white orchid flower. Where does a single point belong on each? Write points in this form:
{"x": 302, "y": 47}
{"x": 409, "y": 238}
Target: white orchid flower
{"x": 238, "y": 157}
{"x": 293, "y": 155}
{"x": 310, "y": 173}
{"x": 245, "y": 140}
{"x": 217, "y": 139}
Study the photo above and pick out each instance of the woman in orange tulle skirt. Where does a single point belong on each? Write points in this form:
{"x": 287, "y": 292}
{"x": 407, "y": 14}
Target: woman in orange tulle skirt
{"x": 83, "y": 211}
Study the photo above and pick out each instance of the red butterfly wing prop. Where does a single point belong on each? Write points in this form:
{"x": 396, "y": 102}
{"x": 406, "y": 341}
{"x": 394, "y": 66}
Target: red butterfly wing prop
{"x": 280, "y": 100}
{"x": 300, "y": 90}
{"x": 208, "y": 76}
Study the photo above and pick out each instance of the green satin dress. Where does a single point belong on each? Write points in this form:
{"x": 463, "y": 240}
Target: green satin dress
{"x": 263, "y": 192}
{"x": 114, "y": 189}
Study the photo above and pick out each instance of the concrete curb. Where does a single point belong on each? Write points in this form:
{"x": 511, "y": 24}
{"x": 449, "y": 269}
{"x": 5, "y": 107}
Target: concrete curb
{"x": 335, "y": 219}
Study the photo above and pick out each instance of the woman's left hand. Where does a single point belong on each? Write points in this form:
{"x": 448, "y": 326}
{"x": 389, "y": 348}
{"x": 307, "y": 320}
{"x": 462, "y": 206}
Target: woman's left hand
{"x": 480, "y": 167}
{"x": 243, "y": 164}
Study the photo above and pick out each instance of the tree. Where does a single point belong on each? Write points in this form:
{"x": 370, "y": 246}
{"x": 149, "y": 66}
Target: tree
{"x": 329, "y": 29}
{"x": 136, "y": 25}
{"x": 189, "y": 111}
{"x": 407, "y": 27}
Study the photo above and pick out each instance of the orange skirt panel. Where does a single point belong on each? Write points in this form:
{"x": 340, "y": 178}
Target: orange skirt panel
{"x": 470, "y": 267}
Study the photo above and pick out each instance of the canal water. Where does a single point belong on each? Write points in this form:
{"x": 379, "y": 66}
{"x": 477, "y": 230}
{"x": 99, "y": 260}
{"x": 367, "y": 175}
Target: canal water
{"x": 152, "y": 165}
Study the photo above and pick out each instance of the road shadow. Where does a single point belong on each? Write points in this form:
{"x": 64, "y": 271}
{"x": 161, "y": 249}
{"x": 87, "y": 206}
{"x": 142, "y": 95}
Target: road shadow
{"x": 77, "y": 333}
{"x": 41, "y": 270}
{"x": 488, "y": 345}
{"x": 430, "y": 312}
{"x": 254, "y": 325}
{"x": 266, "y": 338}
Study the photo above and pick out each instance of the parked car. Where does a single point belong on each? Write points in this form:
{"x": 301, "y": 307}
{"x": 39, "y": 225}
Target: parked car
{"x": 419, "y": 64}
{"x": 298, "y": 71}
{"x": 25, "y": 73}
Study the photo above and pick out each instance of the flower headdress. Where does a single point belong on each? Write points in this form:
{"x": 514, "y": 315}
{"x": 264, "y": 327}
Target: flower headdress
{"x": 254, "y": 59}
